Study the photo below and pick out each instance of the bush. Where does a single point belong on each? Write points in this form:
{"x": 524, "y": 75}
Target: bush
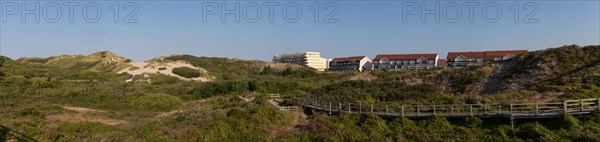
{"x": 40, "y": 82}
{"x": 186, "y": 72}
{"x": 157, "y": 102}
{"x": 267, "y": 70}
{"x": 536, "y": 132}
{"x": 29, "y": 112}
{"x": 473, "y": 122}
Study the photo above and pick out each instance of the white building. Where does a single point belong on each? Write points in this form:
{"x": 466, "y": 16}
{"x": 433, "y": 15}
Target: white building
{"x": 392, "y": 62}
{"x": 308, "y": 59}
{"x": 356, "y": 63}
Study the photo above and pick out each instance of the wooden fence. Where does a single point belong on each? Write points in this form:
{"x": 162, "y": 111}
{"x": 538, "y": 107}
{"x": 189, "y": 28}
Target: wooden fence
{"x": 519, "y": 110}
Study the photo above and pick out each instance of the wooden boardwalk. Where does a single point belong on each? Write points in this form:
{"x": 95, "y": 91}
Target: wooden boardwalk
{"x": 512, "y": 111}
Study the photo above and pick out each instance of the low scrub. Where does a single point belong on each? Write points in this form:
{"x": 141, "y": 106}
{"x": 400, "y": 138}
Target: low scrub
{"x": 156, "y": 102}
{"x": 186, "y": 72}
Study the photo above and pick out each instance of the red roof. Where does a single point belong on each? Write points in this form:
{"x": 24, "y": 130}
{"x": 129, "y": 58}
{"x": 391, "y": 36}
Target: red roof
{"x": 346, "y": 59}
{"x": 500, "y": 54}
{"x": 441, "y": 61}
{"x": 405, "y": 56}
{"x": 452, "y": 55}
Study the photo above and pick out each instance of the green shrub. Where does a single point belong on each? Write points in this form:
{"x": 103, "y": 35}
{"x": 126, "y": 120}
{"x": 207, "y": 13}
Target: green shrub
{"x": 536, "y": 132}
{"x": 186, "y": 72}
{"x": 267, "y": 70}
{"x": 40, "y": 82}
{"x": 157, "y": 102}
{"x": 473, "y": 122}
{"x": 29, "y": 112}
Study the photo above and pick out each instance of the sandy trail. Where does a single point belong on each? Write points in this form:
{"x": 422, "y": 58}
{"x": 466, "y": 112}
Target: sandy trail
{"x": 181, "y": 109}
{"x": 79, "y": 116}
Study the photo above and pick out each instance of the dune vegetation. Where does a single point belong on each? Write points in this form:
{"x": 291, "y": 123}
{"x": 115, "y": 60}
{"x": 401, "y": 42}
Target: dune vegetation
{"x": 83, "y": 98}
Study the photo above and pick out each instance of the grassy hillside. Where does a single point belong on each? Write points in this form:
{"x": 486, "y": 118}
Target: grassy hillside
{"x": 74, "y": 98}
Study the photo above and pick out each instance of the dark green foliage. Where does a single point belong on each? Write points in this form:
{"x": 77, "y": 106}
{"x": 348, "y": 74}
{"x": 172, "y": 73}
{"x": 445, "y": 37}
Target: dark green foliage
{"x": 238, "y": 87}
{"x": 249, "y": 123}
{"x": 379, "y": 90}
{"x": 29, "y": 112}
{"x": 535, "y": 132}
{"x": 186, "y": 72}
{"x": 592, "y": 79}
{"x": 160, "y": 79}
{"x": 473, "y": 122}
{"x": 267, "y": 70}
{"x": 462, "y": 78}
{"x": 300, "y": 73}
{"x": 375, "y": 127}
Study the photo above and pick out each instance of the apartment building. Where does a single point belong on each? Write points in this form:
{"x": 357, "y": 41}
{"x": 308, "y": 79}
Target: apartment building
{"x": 442, "y": 63}
{"x": 467, "y": 59}
{"x": 392, "y": 62}
{"x": 355, "y": 63}
{"x": 308, "y": 59}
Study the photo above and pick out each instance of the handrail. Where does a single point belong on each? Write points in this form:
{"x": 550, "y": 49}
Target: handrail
{"x": 517, "y": 110}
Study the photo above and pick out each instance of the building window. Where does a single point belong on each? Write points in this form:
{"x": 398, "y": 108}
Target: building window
{"x": 480, "y": 60}
{"x": 508, "y": 56}
{"x": 384, "y": 61}
{"x": 422, "y": 61}
{"x": 460, "y": 59}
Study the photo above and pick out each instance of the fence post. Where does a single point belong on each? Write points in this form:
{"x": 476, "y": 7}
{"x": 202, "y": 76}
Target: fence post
{"x": 565, "y": 108}
{"x": 598, "y": 103}
{"x": 359, "y": 108}
{"x": 537, "y": 109}
{"x": 386, "y": 110}
{"x": 485, "y": 109}
{"x": 511, "y": 109}
{"x": 349, "y": 108}
{"x": 500, "y": 108}
{"x": 433, "y": 109}
{"x": 581, "y": 104}
{"x": 371, "y": 108}
{"x": 329, "y": 107}
{"x": 471, "y": 109}
{"x": 402, "y": 107}
{"x": 418, "y": 111}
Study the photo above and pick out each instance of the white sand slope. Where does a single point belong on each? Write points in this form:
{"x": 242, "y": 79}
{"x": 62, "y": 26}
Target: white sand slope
{"x": 166, "y": 68}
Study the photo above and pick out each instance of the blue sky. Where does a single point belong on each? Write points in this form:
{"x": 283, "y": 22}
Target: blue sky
{"x": 362, "y": 28}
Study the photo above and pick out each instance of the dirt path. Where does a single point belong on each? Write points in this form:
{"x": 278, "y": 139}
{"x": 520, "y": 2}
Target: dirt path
{"x": 82, "y": 109}
{"x": 245, "y": 99}
{"x": 180, "y": 109}
{"x": 80, "y": 116}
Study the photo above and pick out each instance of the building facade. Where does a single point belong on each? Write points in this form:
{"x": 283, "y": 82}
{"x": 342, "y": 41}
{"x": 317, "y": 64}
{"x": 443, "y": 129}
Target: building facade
{"x": 355, "y": 63}
{"x": 392, "y": 62}
{"x": 442, "y": 63}
{"x": 467, "y": 59}
{"x": 308, "y": 59}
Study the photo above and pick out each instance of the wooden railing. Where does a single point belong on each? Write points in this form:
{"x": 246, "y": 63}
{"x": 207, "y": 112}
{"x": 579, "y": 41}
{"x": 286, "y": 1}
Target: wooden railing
{"x": 520, "y": 110}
